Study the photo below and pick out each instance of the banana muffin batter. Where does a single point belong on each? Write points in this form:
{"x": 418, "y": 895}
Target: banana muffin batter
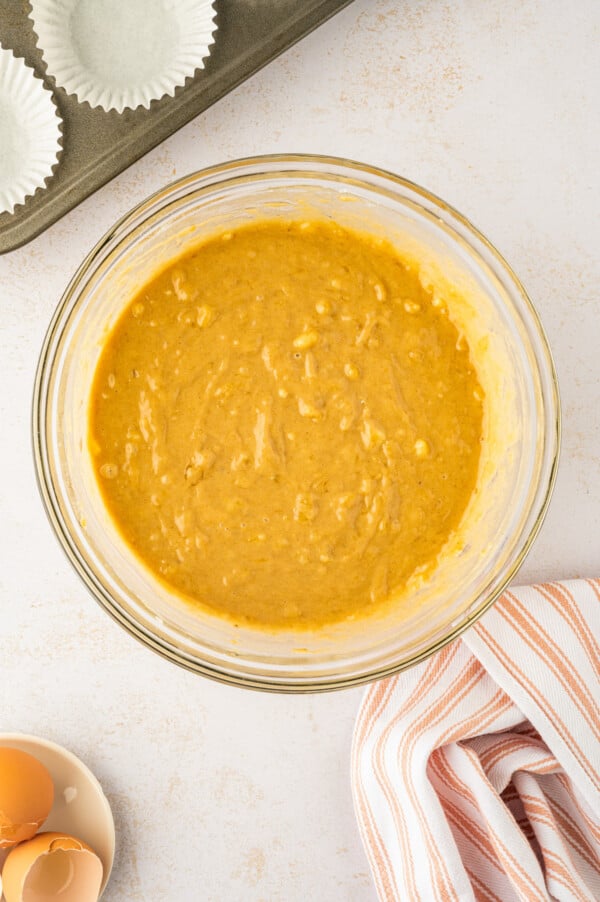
{"x": 285, "y": 425}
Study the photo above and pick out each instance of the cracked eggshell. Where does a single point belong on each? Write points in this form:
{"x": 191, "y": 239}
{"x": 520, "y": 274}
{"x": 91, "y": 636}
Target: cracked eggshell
{"x": 26, "y": 796}
{"x": 52, "y": 866}
{"x": 80, "y": 806}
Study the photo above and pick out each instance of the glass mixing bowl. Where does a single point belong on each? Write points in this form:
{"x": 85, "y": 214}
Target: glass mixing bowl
{"x": 488, "y": 304}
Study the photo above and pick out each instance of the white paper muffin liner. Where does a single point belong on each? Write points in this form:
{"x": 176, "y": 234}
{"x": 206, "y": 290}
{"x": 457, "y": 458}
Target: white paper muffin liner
{"x": 122, "y": 54}
{"x": 29, "y": 132}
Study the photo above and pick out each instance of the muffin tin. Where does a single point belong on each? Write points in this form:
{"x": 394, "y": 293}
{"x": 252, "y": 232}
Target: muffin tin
{"x": 98, "y": 144}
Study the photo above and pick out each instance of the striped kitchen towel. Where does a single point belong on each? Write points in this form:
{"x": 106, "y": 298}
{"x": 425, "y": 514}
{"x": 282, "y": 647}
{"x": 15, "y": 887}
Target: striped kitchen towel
{"x": 476, "y": 774}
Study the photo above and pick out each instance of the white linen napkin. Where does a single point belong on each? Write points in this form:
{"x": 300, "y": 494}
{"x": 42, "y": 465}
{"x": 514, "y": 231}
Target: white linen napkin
{"x": 476, "y": 774}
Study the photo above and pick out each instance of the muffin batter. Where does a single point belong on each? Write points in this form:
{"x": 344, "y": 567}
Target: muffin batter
{"x": 285, "y": 425}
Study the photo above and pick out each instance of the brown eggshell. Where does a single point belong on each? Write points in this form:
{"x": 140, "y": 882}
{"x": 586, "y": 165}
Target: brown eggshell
{"x": 26, "y": 796}
{"x": 51, "y": 866}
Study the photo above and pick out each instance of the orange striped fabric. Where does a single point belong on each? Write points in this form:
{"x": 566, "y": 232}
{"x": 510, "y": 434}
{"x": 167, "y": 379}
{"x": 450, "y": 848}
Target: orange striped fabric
{"x": 476, "y": 774}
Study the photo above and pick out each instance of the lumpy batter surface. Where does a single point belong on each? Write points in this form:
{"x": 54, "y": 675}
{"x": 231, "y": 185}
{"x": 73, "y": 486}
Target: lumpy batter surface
{"x": 285, "y": 425}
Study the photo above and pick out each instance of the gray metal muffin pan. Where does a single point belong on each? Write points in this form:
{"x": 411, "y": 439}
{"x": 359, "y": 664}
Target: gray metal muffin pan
{"x": 97, "y": 145}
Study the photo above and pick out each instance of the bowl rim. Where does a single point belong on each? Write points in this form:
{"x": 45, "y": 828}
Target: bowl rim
{"x": 153, "y": 203}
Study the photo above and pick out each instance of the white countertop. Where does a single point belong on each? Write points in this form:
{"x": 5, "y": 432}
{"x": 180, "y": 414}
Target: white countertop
{"x": 221, "y": 794}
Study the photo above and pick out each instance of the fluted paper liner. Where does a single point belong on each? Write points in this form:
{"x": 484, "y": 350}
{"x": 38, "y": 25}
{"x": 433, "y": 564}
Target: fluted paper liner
{"x": 123, "y": 54}
{"x": 29, "y": 132}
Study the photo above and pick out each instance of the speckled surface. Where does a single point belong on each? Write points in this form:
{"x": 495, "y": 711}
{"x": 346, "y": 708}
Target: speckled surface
{"x": 226, "y": 796}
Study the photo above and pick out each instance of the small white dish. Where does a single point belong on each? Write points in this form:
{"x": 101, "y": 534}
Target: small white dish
{"x": 80, "y": 807}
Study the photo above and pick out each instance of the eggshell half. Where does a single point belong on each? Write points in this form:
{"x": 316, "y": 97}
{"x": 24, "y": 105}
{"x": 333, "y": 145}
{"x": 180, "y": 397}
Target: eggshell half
{"x": 26, "y": 796}
{"x": 52, "y": 866}
{"x": 80, "y": 807}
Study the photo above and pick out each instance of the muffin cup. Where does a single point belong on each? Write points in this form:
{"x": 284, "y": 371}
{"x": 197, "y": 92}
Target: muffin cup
{"x": 117, "y": 55}
{"x": 30, "y": 134}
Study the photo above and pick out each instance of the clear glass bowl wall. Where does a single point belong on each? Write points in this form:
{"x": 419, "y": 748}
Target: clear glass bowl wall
{"x": 523, "y": 421}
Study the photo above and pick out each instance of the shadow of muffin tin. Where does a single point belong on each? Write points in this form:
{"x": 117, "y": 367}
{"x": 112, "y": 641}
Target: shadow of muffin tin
{"x": 97, "y": 145}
